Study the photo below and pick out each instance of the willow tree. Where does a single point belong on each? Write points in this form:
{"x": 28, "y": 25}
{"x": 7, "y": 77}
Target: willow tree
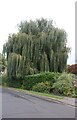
{"x": 2, "y": 63}
{"x": 38, "y": 46}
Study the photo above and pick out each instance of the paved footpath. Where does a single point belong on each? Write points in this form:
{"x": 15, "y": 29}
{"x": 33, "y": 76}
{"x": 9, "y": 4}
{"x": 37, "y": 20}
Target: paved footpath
{"x": 69, "y": 101}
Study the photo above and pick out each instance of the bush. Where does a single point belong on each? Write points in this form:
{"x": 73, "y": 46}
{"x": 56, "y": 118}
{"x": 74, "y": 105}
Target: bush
{"x": 32, "y": 80}
{"x": 64, "y": 85}
{"x": 67, "y": 77}
{"x": 72, "y": 68}
{"x": 4, "y": 80}
{"x": 11, "y": 82}
{"x": 14, "y": 83}
{"x": 43, "y": 87}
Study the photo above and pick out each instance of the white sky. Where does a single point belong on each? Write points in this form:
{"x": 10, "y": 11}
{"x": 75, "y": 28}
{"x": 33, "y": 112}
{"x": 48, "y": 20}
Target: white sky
{"x": 62, "y": 12}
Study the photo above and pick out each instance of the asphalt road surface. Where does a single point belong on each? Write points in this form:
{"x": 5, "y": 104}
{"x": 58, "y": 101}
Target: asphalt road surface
{"x": 0, "y": 103}
{"x": 15, "y": 106}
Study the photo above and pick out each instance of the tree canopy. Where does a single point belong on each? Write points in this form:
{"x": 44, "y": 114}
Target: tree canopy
{"x": 2, "y": 63}
{"x": 38, "y": 47}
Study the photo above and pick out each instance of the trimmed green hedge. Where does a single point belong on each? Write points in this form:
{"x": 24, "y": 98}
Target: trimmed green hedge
{"x": 32, "y": 80}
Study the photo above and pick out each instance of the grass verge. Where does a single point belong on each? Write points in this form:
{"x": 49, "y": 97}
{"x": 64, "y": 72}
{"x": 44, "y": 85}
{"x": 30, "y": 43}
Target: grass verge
{"x": 40, "y": 94}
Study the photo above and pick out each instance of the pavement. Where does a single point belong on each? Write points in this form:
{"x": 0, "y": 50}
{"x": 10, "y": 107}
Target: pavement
{"x": 16, "y": 104}
{"x": 69, "y": 101}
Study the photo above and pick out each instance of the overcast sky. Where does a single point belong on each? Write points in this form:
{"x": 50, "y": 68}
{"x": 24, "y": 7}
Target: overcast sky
{"x": 62, "y": 12}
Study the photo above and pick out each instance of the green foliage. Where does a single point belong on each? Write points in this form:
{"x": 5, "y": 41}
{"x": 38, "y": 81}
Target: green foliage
{"x": 2, "y": 63}
{"x": 32, "y": 80}
{"x": 14, "y": 66}
{"x": 43, "y": 87}
{"x": 6, "y": 81}
{"x": 67, "y": 77}
{"x": 37, "y": 47}
{"x": 14, "y": 83}
{"x": 64, "y": 85}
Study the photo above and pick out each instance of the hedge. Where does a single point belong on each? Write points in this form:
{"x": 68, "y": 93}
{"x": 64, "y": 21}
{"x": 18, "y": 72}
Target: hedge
{"x": 32, "y": 80}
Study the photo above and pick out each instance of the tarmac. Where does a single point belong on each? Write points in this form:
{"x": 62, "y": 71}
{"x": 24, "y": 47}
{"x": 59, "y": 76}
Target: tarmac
{"x": 66, "y": 100}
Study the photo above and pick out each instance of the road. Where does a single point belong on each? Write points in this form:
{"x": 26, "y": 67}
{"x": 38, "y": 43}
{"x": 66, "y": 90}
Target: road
{"x": 0, "y": 103}
{"x": 15, "y": 106}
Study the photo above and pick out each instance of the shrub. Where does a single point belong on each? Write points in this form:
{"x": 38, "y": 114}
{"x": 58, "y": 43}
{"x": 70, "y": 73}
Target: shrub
{"x": 42, "y": 87}
{"x": 11, "y": 82}
{"x": 32, "y": 80}
{"x": 4, "y": 80}
{"x": 72, "y": 69}
{"x": 64, "y": 85}
{"x": 14, "y": 83}
{"x": 67, "y": 77}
